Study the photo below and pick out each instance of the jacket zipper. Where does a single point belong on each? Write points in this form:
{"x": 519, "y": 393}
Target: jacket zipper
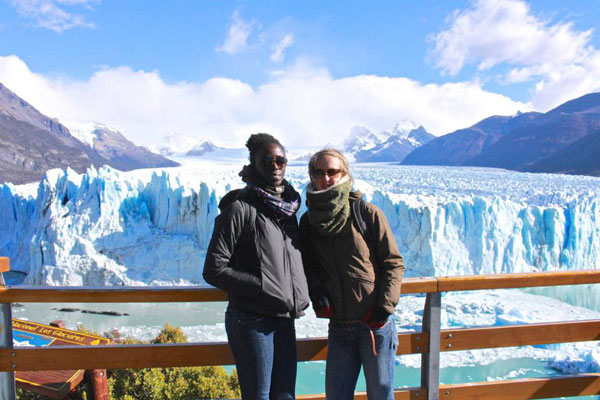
{"x": 286, "y": 264}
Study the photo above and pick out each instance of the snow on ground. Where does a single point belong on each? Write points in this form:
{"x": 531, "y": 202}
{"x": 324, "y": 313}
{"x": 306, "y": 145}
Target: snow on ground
{"x": 459, "y": 310}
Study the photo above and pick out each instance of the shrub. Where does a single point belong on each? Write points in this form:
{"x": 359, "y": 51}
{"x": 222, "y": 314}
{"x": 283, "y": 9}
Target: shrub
{"x": 185, "y": 383}
{"x": 172, "y": 383}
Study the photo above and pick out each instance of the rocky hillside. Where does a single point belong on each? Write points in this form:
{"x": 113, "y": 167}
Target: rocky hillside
{"x": 31, "y": 143}
{"x": 524, "y": 142}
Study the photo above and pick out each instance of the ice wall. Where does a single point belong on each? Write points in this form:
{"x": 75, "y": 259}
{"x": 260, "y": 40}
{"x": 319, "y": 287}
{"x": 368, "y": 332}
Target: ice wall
{"x": 485, "y": 234}
{"x": 108, "y": 227}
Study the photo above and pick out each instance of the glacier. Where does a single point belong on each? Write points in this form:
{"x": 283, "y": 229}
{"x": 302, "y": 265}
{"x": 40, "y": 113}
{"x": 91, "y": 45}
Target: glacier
{"x": 152, "y": 227}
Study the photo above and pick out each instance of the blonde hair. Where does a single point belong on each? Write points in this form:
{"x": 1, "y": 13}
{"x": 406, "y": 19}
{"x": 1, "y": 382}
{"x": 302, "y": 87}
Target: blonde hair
{"x": 345, "y": 167}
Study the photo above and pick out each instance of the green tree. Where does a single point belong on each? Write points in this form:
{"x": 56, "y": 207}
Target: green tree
{"x": 184, "y": 383}
{"x": 172, "y": 383}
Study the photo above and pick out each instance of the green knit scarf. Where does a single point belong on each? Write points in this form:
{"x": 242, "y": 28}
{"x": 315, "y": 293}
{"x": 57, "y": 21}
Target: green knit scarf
{"x": 329, "y": 209}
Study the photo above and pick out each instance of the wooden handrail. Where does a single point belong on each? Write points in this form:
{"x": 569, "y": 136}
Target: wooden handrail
{"x": 413, "y": 393}
{"x": 127, "y": 294}
{"x": 520, "y": 280}
{"x": 146, "y": 356}
{"x": 188, "y": 354}
{"x": 519, "y": 335}
{"x": 529, "y": 388}
{"x": 132, "y": 294}
{"x": 142, "y": 294}
{"x": 513, "y": 389}
{"x": 161, "y": 355}
{"x": 4, "y": 264}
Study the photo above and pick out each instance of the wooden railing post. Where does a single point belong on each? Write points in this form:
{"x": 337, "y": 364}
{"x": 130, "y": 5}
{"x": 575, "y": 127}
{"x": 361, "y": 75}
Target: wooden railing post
{"x": 7, "y": 379}
{"x": 430, "y": 361}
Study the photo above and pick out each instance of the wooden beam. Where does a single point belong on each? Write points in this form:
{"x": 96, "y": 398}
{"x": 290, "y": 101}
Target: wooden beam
{"x": 129, "y": 294}
{"x": 115, "y": 357}
{"x": 54, "y": 386}
{"x": 4, "y": 264}
{"x": 160, "y": 355}
{"x": 419, "y": 285}
{"x": 312, "y": 349}
{"x": 505, "y": 281}
{"x": 35, "y": 294}
{"x": 414, "y": 393}
{"x": 520, "y": 389}
{"x": 519, "y": 335}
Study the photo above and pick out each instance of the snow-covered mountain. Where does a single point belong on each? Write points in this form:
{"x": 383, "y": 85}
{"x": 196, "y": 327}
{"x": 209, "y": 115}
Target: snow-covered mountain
{"x": 397, "y": 146}
{"x": 31, "y": 143}
{"x": 182, "y": 146}
{"x": 144, "y": 227}
{"x": 174, "y": 144}
{"x": 361, "y": 138}
{"x": 202, "y": 149}
{"x": 536, "y": 142}
{"x": 111, "y": 145}
{"x": 361, "y": 145}
{"x": 365, "y": 146}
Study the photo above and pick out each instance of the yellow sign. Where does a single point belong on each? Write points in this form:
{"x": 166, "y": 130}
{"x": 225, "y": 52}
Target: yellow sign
{"x": 51, "y": 332}
{"x": 26, "y": 333}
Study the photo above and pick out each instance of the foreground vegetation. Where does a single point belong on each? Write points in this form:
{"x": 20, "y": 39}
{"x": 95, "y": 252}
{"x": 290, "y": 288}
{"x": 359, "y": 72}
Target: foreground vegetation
{"x": 185, "y": 383}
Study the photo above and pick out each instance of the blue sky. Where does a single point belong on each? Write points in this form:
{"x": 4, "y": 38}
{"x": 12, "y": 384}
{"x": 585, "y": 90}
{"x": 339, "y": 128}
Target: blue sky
{"x": 304, "y": 70}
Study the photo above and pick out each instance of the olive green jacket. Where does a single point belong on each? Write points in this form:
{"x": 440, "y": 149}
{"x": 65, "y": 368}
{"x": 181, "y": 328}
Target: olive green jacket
{"x": 343, "y": 270}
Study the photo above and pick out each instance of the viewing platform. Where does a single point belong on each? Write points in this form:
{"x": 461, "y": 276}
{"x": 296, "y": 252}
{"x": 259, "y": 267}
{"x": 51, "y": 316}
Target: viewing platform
{"x": 429, "y": 342}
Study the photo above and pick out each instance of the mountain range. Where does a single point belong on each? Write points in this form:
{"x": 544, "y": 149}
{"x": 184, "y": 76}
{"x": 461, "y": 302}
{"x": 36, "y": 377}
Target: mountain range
{"x": 387, "y": 146}
{"x": 566, "y": 139}
{"x": 31, "y": 143}
{"x": 360, "y": 145}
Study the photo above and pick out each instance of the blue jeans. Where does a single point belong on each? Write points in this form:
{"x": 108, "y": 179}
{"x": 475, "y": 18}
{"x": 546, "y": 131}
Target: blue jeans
{"x": 349, "y": 347}
{"x": 264, "y": 349}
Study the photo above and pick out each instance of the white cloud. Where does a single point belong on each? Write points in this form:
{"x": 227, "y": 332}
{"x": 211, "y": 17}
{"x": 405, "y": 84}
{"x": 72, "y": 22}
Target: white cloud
{"x": 237, "y": 35}
{"x": 302, "y": 106}
{"x": 556, "y": 58}
{"x": 491, "y": 32}
{"x": 51, "y": 14}
{"x": 279, "y": 48}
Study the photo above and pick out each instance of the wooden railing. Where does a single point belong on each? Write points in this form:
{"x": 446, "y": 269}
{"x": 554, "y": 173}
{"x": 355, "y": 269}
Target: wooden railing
{"x": 429, "y": 342}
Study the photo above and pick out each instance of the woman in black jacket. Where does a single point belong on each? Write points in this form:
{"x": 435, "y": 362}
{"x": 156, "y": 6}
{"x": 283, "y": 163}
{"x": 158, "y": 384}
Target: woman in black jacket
{"x": 254, "y": 255}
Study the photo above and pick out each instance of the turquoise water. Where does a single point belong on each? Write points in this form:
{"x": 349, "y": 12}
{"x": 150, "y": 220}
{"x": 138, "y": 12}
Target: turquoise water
{"x": 311, "y": 375}
{"x": 587, "y": 296}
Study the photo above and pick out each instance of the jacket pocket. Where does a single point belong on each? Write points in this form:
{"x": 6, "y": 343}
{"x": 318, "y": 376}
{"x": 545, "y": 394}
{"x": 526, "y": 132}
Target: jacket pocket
{"x": 274, "y": 295}
{"x": 361, "y": 289}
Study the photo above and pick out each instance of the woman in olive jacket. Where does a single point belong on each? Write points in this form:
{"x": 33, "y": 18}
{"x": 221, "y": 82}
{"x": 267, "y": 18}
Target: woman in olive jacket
{"x": 353, "y": 280}
{"x": 254, "y": 255}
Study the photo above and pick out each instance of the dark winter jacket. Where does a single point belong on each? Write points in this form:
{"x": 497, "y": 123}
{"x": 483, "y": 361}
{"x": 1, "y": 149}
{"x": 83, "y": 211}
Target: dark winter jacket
{"x": 342, "y": 272}
{"x": 259, "y": 266}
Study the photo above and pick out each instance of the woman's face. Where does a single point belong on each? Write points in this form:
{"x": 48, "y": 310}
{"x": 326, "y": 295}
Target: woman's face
{"x": 327, "y": 172}
{"x": 270, "y": 164}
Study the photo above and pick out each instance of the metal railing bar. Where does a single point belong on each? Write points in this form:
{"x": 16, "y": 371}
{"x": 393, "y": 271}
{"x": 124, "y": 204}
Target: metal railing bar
{"x": 430, "y": 361}
{"x": 7, "y": 378}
